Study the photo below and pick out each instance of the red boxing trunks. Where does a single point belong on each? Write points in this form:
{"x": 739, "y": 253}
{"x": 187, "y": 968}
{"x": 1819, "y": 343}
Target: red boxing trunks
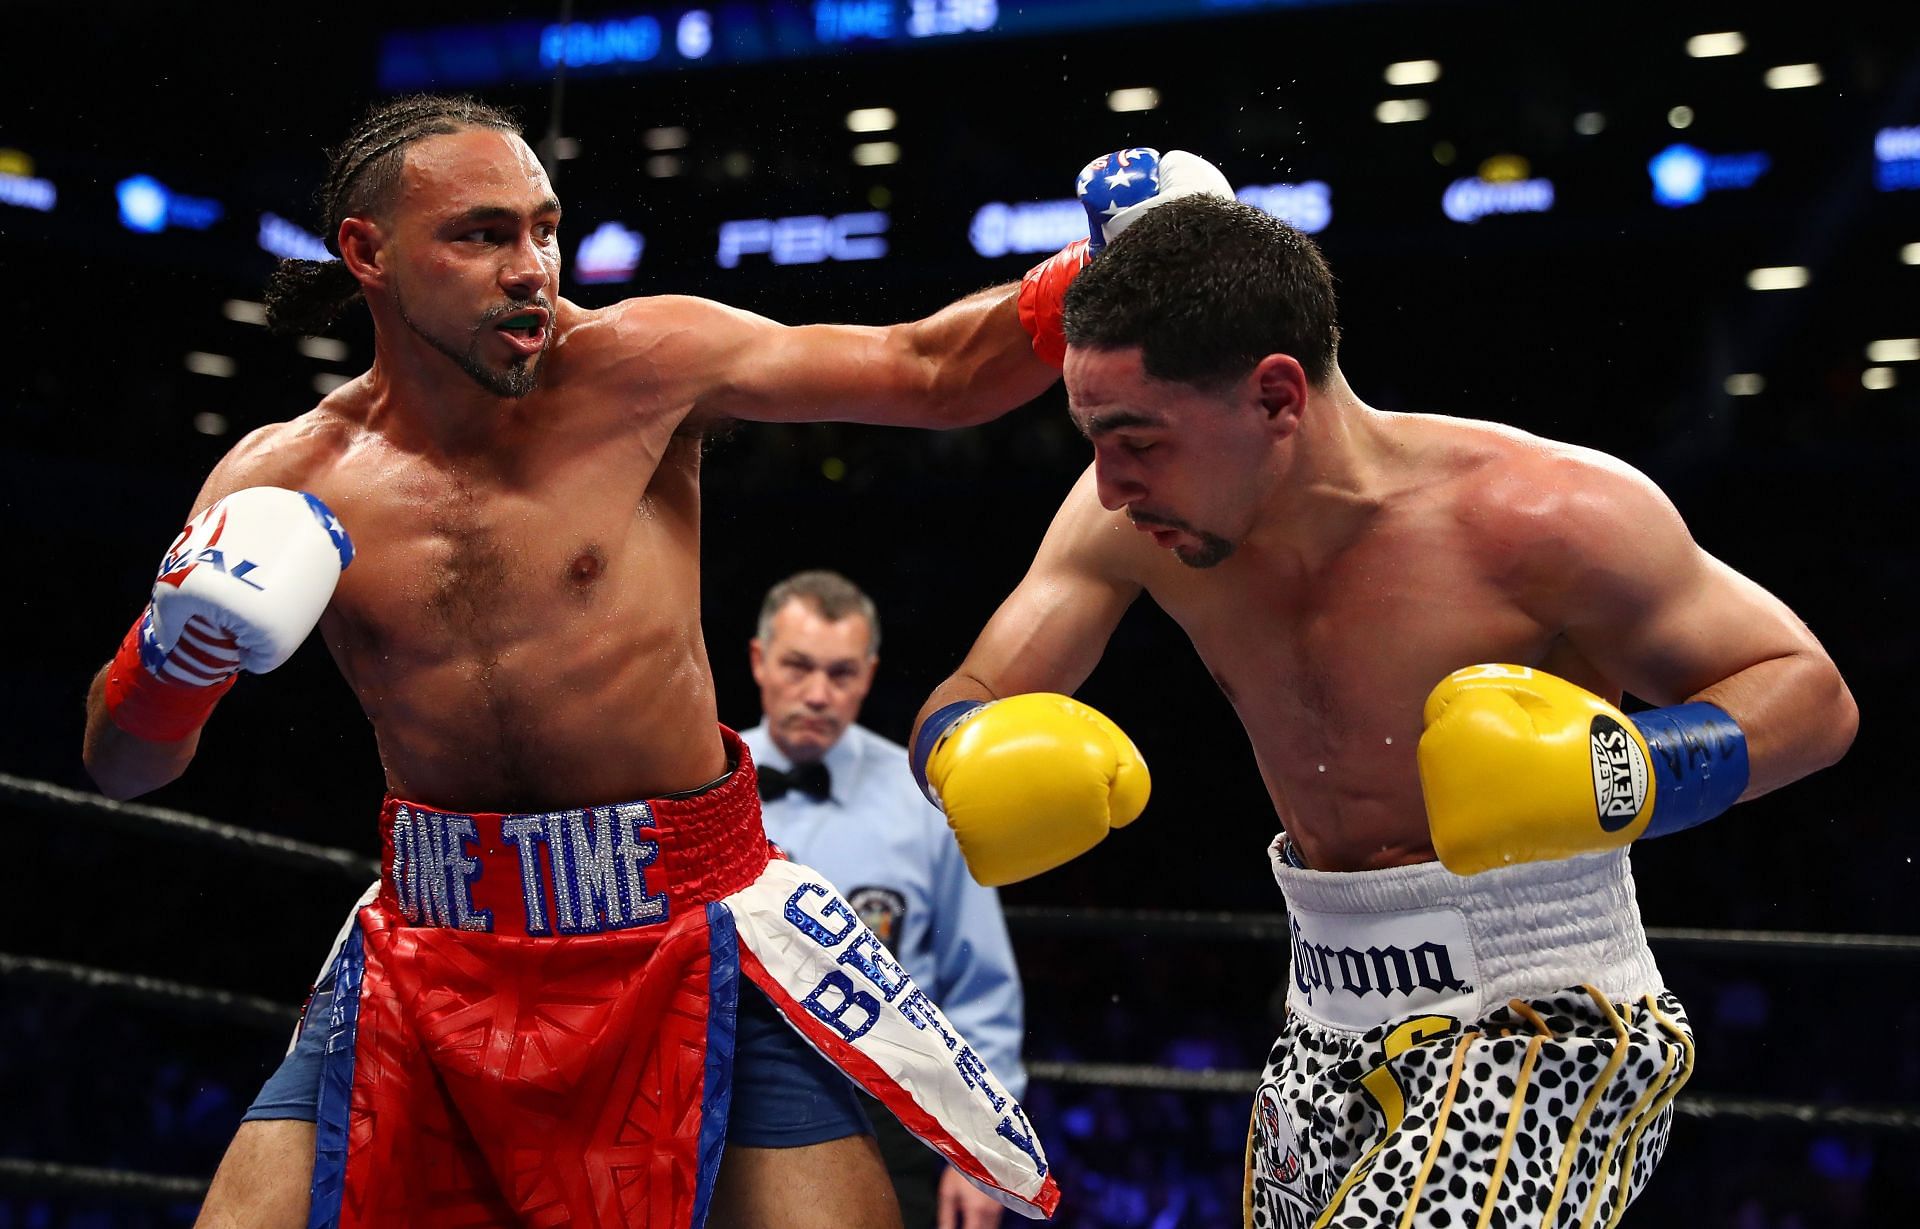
{"x": 532, "y": 1022}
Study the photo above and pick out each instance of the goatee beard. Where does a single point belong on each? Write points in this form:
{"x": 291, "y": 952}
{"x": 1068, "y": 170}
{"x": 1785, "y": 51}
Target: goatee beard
{"x": 520, "y": 376}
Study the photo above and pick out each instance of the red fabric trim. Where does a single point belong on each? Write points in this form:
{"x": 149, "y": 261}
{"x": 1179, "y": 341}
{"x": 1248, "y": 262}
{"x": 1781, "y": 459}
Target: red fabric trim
{"x": 154, "y": 708}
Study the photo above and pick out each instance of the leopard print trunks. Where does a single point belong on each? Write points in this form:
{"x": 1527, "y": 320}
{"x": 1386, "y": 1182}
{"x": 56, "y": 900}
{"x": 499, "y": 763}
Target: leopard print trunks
{"x": 1465, "y": 1053}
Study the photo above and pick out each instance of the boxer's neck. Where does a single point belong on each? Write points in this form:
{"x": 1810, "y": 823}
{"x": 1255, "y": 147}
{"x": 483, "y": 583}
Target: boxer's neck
{"x": 419, "y": 395}
{"x": 1335, "y": 471}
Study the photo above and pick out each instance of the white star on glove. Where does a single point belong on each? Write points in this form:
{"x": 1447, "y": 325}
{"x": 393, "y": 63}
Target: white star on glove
{"x": 1120, "y": 179}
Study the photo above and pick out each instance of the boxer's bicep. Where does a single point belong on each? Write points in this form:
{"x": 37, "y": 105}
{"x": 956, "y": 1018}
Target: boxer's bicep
{"x": 1052, "y": 629}
{"x": 1656, "y": 613}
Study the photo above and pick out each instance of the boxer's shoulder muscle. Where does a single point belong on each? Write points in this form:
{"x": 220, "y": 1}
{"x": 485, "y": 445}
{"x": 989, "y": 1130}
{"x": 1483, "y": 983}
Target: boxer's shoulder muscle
{"x": 1558, "y": 524}
{"x": 294, "y": 454}
{"x": 646, "y": 358}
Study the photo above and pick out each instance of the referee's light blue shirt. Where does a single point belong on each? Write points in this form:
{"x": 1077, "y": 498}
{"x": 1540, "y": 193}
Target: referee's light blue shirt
{"x": 892, "y": 856}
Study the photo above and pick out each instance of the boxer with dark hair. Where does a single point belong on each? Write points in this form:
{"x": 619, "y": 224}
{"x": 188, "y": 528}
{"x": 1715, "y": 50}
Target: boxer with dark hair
{"x": 1424, "y": 624}
{"x": 531, "y": 1018}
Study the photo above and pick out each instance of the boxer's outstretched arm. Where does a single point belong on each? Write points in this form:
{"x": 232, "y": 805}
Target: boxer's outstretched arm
{"x": 965, "y": 364}
{"x": 1670, "y": 623}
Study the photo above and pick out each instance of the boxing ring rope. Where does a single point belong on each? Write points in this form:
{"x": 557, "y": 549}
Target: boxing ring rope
{"x": 50, "y": 1177}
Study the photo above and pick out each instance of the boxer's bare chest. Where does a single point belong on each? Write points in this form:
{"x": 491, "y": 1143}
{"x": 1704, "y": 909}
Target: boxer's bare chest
{"x": 1329, "y": 661}
{"x": 471, "y": 554}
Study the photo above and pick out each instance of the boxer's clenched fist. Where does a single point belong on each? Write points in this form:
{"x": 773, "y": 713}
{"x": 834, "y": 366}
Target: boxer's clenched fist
{"x": 239, "y": 589}
{"x": 1115, "y": 189}
{"x": 1517, "y": 765}
{"x": 1028, "y": 782}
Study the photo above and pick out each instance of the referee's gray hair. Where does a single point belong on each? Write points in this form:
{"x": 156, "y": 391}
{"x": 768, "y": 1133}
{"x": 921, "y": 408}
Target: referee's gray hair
{"x": 832, "y": 596}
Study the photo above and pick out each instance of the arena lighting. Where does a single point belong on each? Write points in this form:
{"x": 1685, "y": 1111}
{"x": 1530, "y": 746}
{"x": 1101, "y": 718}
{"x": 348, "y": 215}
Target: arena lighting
{"x": 244, "y": 311}
{"x": 665, "y": 138}
{"x": 1778, "y": 277}
{"x": 1401, "y": 111}
{"x": 663, "y": 166}
{"x": 1307, "y": 207}
{"x": 1793, "y": 76}
{"x": 610, "y": 253}
{"x": 619, "y": 40}
{"x": 1895, "y": 350}
{"x": 1030, "y": 226}
{"x": 143, "y": 204}
{"x": 1896, "y": 155}
{"x": 1505, "y": 168}
{"x": 872, "y": 119}
{"x": 206, "y": 422}
{"x": 1910, "y": 254}
{"x": 1683, "y": 175}
{"x": 1589, "y": 123}
{"x": 326, "y": 381}
{"x": 805, "y": 240}
{"x": 149, "y": 207}
{"x": 876, "y": 153}
{"x": 1878, "y": 378}
{"x": 201, "y": 363}
{"x": 1413, "y": 72}
{"x": 1708, "y": 46}
{"x": 326, "y": 349}
{"x": 290, "y": 241}
{"x": 1469, "y": 200}
{"x": 27, "y": 192}
{"x": 1679, "y": 117}
{"x": 16, "y": 162}
{"x": 1139, "y": 98}
{"x": 1745, "y": 384}
{"x": 693, "y": 36}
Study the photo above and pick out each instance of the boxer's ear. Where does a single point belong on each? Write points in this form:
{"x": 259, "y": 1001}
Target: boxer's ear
{"x": 1280, "y": 386}
{"x": 362, "y": 243}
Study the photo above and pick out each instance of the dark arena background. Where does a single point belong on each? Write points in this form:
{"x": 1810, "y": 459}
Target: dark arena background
{"x": 1684, "y": 233}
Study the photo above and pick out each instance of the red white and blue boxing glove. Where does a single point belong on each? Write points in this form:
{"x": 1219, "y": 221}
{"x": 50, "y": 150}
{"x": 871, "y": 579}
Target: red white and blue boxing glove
{"x": 239, "y": 589}
{"x": 1115, "y": 189}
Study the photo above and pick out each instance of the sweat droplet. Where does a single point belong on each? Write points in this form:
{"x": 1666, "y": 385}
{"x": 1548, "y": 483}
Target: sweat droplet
{"x": 1389, "y": 740}
{"x": 1323, "y": 768}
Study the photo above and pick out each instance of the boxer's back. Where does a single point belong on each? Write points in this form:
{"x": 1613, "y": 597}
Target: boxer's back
{"x": 521, "y": 623}
{"x": 1327, "y": 661}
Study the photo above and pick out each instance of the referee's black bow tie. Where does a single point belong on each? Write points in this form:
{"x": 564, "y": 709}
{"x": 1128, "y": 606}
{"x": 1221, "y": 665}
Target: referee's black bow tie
{"x": 812, "y": 780}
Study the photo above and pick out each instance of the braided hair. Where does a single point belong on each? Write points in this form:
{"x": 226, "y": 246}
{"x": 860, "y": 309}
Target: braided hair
{"x": 305, "y": 296}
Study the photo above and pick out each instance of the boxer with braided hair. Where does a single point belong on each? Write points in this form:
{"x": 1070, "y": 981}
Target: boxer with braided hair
{"x": 556, "y": 1007}
{"x": 305, "y": 296}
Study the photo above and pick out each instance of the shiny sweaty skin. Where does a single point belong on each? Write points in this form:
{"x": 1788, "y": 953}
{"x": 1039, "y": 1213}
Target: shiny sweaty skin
{"x": 520, "y": 477}
{"x": 1371, "y": 554}
{"x": 522, "y": 623}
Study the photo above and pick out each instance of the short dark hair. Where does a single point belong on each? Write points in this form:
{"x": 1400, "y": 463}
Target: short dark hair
{"x": 305, "y": 296}
{"x": 832, "y": 596}
{"x": 1207, "y": 287}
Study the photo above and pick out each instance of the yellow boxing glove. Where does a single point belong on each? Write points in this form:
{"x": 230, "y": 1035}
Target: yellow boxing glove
{"x": 1028, "y": 782}
{"x": 1519, "y": 766}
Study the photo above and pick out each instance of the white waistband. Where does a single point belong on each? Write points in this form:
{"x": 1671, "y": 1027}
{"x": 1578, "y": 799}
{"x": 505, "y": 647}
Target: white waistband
{"x": 1374, "y": 946}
